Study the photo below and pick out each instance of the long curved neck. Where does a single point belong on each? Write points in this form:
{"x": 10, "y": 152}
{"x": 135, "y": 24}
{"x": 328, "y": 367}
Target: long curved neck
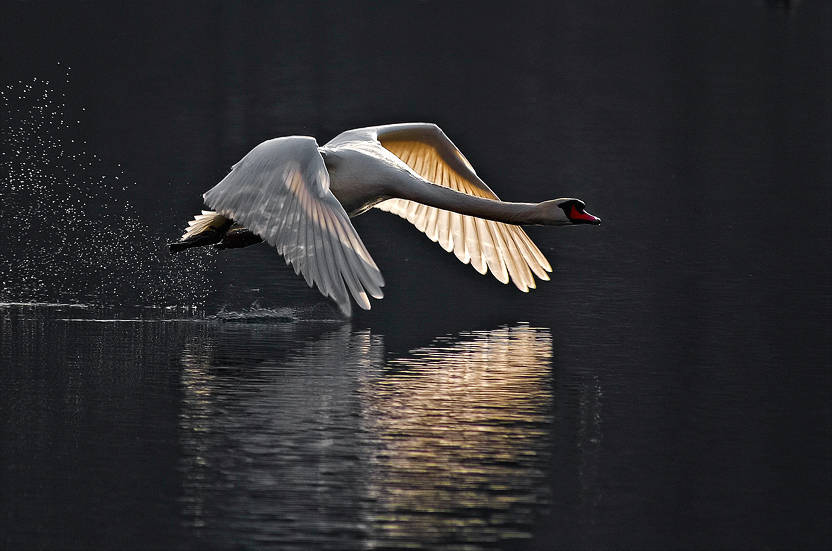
{"x": 422, "y": 191}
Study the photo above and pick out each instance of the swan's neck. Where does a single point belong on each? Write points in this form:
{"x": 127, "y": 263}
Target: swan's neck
{"x": 422, "y": 191}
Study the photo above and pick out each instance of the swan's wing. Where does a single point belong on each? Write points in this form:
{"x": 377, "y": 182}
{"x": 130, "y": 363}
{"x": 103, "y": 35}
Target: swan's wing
{"x": 504, "y": 249}
{"x": 280, "y": 191}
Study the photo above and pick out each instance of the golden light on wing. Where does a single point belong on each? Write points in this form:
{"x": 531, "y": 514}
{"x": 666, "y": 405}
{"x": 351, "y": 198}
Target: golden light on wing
{"x": 503, "y": 249}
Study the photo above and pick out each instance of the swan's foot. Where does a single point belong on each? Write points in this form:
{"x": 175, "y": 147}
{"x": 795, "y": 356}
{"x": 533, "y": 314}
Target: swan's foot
{"x": 207, "y": 237}
{"x": 237, "y": 238}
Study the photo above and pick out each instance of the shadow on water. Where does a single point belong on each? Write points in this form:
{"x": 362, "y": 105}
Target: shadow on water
{"x": 293, "y": 439}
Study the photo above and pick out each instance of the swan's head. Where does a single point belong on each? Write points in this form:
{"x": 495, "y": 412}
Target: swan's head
{"x": 560, "y": 212}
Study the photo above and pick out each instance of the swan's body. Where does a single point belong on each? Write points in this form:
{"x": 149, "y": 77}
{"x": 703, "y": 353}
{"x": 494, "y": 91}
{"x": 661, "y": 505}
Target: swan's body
{"x": 299, "y": 197}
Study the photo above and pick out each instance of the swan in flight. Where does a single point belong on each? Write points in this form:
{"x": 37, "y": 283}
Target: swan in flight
{"x": 299, "y": 198}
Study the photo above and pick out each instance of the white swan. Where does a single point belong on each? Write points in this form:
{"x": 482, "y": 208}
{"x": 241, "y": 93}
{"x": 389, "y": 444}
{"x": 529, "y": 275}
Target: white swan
{"x": 299, "y": 197}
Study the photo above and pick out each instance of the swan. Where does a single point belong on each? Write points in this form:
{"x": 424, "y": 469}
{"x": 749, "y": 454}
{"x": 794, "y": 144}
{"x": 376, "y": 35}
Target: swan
{"x": 299, "y": 198}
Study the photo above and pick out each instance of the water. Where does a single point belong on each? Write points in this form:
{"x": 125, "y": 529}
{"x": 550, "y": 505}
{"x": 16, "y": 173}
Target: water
{"x": 240, "y": 430}
{"x": 668, "y": 388}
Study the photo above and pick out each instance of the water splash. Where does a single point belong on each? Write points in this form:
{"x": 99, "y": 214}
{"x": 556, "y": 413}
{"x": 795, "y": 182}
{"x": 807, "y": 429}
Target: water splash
{"x": 67, "y": 232}
{"x": 258, "y": 314}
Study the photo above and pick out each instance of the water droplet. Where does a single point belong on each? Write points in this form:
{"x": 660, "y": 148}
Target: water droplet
{"x": 103, "y": 251}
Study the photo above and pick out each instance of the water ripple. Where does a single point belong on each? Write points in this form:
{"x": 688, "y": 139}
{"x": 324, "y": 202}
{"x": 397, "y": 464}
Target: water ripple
{"x": 331, "y": 442}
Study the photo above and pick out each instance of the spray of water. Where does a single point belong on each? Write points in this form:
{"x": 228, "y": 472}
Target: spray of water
{"x": 67, "y": 231}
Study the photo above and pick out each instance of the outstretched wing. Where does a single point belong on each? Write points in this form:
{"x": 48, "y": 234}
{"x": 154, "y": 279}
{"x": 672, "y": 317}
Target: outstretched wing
{"x": 504, "y": 249}
{"x": 280, "y": 191}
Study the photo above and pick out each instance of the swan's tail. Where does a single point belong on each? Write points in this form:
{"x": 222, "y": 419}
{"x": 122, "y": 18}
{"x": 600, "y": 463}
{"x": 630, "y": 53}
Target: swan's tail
{"x": 205, "y": 229}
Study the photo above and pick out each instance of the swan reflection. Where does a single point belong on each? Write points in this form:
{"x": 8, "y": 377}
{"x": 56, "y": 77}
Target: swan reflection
{"x": 312, "y": 436}
{"x": 267, "y": 429}
{"x": 461, "y": 438}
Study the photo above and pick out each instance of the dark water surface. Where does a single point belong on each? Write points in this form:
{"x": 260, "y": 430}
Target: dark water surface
{"x": 670, "y": 387}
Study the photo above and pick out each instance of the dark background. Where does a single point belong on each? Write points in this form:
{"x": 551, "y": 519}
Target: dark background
{"x": 699, "y": 132}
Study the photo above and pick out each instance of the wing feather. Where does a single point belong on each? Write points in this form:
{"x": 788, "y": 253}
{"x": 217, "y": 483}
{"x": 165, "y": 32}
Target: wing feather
{"x": 350, "y": 278}
{"x": 503, "y": 249}
{"x": 327, "y": 281}
{"x": 472, "y": 244}
{"x": 443, "y": 217}
{"x": 499, "y": 244}
{"x": 296, "y": 231}
{"x": 286, "y": 224}
{"x": 431, "y": 226}
{"x": 495, "y": 262}
{"x": 311, "y": 274}
{"x": 371, "y": 279}
{"x": 420, "y": 217}
{"x": 202, "y": 222}
{"x": 280, "y": 191}
{"x": 457, "y": 231}
{"x": 412, "y": 209}
{"x": 528, "y": 261}
{"x": 336, "y": 289}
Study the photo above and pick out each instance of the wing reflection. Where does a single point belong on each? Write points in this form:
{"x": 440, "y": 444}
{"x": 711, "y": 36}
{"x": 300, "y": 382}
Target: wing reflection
{"x": 308, "y": 438}
{"x": 268, "y": 429}
{"x": 461, "y": 439}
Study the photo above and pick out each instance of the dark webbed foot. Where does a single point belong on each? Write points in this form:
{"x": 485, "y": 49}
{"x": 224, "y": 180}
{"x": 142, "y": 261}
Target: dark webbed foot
{"x": 237, "y": 238}
{"x": 207, "y": 237}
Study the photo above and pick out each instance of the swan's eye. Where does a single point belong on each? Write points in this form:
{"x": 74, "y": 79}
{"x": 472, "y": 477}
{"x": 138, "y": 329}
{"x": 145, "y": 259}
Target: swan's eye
{"x": 572, "y": 206}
